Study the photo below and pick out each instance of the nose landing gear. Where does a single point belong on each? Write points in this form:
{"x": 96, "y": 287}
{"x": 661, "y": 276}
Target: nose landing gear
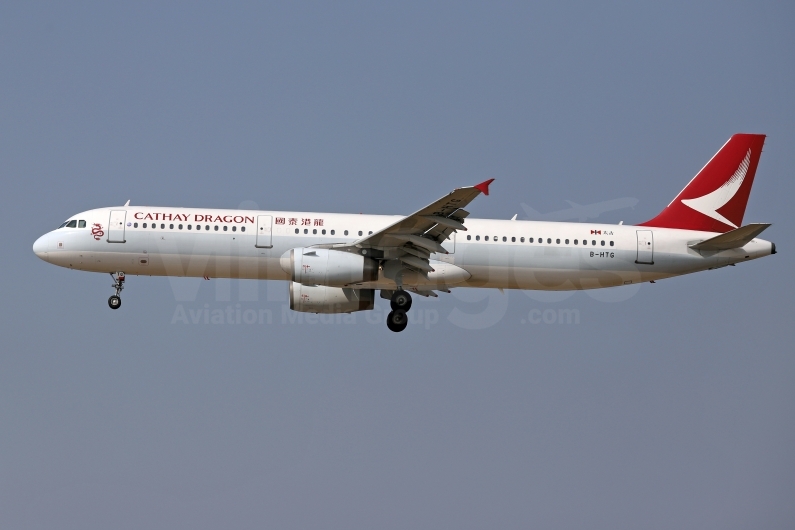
{"x": 397, "y": 320}
{"x": 118, "y": 283}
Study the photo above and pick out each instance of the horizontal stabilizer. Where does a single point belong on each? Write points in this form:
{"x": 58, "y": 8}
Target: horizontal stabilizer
{"x": 739, "y": 237}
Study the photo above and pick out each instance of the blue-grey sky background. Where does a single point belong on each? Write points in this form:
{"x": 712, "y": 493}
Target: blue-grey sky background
{"x": 668, "y": 406}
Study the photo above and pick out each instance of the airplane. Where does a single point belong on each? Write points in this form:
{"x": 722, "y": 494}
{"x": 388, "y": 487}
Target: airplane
{"x": 335, "y": 262}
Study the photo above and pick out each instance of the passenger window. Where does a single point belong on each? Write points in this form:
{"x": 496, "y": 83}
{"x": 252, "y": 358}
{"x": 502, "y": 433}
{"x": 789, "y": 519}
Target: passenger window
{"x": 567, "y": 241}
{"x": 163, "y": 226}
{"x": 180, "y": 227}
{"x": 360, "y": 232}
{"x": 171, "y": 227}
{"x": 486, "y": 238}
{"x": 513, "y": 240}
{"x": 206, "y": 227}
{"x": 504, "y": 239}
{"x": 323, "y": 232}
{"x": 234, "y": 229}
{"x": 611, "y": 243}
{"x": 297, "y": 230}
{"x": 469, "y": 238}
{"x": 593, "y": 243}
{"x": 477, "y": 238}
{"x": 226, "y": 228}
{"x": 603, "y": 243}
{"x": 529, "y": 239}
{"x": 549, "y": 240}
{"x": 346, "y": 232}
{"x": 135, "y": 225}
{"x": 189, "y": 227}
{"x": 521, "y": 240}
{"x": 575, "y": 241}
{"x": 332, "y": 232}
{"x": 81, "y": 224}
{"x": 370, "y": 233}
{"x": 306, "y": 230}
{"x": 314, "y": 230}
{"x": 144, "y": 225}
{"x": 557, "y": 241}
{"x": 72, "y": 224}
{"x": 242, "y": 228}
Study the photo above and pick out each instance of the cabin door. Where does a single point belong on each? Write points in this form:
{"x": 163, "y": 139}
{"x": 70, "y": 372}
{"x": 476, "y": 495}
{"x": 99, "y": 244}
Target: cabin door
{"x": 645, "y": 247}
{"x": 116, "y": 226}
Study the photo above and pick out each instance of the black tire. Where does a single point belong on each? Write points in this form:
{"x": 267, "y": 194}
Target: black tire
{"x": 114, "y": 302}
{"x": 400, "y": 300}
{"x": 397, "y": 320}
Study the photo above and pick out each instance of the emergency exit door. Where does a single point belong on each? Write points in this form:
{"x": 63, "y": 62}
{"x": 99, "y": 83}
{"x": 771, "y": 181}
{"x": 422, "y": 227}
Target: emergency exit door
{"x": 264, "y": 227}
{"x": 645, "y": 247}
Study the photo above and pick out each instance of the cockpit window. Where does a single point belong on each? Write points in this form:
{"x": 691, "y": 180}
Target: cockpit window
{"x": 72, "y": 224}
{"x": 81, "y": 224}
{"x": 64, "y": 224}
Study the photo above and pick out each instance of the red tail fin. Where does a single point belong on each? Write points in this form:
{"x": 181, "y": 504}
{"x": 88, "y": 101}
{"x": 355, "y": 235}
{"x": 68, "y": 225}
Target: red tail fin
{"x": 714, "y": 201}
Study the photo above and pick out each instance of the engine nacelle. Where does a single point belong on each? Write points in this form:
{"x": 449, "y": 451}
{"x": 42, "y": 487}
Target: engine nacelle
{"x": 324, "y": 299}
{"x": 320, "y": 266}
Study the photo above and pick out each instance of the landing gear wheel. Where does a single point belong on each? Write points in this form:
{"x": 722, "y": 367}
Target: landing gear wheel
{"x": 118, "y": 283}
{"x": 397, "y": 320}
{"x": 400, "y": 300}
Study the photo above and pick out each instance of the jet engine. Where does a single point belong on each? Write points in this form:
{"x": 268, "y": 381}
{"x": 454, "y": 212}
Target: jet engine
{"x": 324, "y": 299}
{"x": 320, "y": 266}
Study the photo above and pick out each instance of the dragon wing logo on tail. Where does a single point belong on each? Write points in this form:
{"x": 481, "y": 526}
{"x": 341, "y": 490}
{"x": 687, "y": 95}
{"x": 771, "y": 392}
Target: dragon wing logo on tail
{"x": 710, "y": 203}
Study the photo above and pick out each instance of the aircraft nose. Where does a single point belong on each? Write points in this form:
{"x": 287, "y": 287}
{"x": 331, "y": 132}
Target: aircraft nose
{"x": 40, "y": 247}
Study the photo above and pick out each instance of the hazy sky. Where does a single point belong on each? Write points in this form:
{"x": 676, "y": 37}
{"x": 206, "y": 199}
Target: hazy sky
{"x": 666, "y": 406}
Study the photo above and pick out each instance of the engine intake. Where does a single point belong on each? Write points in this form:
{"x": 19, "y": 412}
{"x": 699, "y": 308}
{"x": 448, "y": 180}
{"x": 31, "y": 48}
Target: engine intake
{"x": 320, "y": 266}
{"x": 324, "y": 299}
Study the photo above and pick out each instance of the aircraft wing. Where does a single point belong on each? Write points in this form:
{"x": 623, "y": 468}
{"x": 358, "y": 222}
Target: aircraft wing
{"x": 422, "y": 233}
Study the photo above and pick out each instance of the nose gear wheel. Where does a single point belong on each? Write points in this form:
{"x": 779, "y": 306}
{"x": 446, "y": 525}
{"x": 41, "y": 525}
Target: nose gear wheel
{"x": 114, "y": 302}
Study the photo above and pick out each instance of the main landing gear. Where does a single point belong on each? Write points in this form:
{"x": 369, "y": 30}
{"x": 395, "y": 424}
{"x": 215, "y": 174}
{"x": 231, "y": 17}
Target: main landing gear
{"x": 118, "y": 283}
{"x": 397, "y": 319}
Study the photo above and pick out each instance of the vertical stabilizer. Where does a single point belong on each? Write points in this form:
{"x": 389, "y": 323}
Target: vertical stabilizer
{"x": 715, "y": 200}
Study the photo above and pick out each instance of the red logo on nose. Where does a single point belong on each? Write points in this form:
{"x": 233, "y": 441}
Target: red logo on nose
{"x": 97, "y": 232}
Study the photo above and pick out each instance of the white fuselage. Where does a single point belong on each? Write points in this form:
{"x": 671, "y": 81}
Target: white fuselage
{"x": 491, "y": 253}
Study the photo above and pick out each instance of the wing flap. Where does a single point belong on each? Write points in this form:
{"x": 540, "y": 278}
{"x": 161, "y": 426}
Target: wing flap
{"x": 419, "y": 241}
{"x": 417, "y": 263}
